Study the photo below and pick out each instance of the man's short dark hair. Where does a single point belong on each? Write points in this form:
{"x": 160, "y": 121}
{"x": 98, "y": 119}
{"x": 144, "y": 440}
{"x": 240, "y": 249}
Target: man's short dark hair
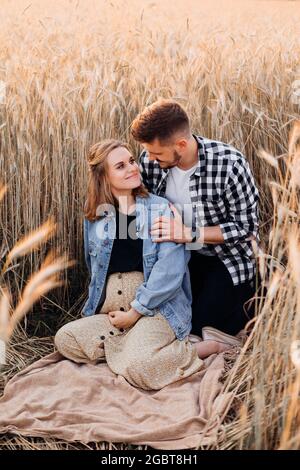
{"x": 161, "y": 120}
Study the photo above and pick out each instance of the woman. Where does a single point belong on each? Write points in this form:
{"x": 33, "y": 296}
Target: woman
{"x": 139, "y": 289}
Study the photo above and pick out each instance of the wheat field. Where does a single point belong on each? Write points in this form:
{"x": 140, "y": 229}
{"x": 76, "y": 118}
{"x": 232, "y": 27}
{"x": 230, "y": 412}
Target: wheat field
{"x": 74, "y": 72}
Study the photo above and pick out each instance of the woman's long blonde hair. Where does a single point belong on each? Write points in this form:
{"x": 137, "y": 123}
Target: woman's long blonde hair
{"x": 99, "y": 189}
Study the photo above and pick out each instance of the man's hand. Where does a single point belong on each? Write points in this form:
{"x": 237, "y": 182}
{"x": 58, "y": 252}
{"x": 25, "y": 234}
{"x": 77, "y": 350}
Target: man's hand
{"x": 125, "y": 320}
{"x": 171, "y": 230}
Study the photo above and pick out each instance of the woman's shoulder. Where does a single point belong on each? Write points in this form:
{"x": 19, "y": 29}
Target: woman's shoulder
{"x": 153, "y": 199}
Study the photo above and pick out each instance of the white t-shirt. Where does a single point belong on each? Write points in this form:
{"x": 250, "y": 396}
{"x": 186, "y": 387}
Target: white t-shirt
{"x": 178, "y": 192}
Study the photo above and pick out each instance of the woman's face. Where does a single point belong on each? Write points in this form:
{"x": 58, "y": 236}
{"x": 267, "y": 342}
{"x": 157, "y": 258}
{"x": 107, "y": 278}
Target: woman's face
{"x": 122, "y": 170}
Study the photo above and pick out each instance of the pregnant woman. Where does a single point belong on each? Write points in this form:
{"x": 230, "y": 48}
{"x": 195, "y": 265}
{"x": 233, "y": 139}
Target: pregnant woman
{"x": 138, "y": 313}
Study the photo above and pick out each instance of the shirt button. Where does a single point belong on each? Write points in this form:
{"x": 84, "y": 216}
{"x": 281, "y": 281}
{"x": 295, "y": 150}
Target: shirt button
{"x": 122, "y": 329}
{"x": 102, "y": 337}
{"x": 119, "y": 292}
{"x": 111, "y": 333}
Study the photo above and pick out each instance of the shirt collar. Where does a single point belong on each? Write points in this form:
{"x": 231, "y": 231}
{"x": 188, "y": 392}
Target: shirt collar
{"x": 200, "y": 170}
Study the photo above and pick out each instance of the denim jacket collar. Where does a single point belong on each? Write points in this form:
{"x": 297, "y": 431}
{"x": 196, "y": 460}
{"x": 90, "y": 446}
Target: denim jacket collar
{"x": 107, "y": 212}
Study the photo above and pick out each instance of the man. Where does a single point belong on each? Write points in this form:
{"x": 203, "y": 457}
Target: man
{"x": 212, "y": 183}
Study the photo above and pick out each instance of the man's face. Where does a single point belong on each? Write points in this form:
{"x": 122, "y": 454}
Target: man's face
{"x": 167, "y": 156}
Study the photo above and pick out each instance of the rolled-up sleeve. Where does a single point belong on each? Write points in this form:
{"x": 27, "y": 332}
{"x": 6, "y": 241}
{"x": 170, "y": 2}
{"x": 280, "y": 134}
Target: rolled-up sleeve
{"x": 241, "y": 199}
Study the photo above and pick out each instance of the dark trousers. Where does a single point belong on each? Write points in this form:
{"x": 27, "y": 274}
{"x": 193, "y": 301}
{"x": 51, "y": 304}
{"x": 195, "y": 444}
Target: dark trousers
{"x": 217, "y": 302}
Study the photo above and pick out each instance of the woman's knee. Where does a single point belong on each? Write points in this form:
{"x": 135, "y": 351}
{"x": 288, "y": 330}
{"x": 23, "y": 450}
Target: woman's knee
{"x": 64, "y": 340}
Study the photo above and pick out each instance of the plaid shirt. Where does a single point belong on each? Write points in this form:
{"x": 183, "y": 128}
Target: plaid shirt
{"x": 222, "y": 192}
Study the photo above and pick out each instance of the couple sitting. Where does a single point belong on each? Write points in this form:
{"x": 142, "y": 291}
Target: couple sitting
{"x": 160, "y": 272}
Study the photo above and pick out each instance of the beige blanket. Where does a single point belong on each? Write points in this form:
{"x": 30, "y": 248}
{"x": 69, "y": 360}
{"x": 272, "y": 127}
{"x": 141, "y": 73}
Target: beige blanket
{"x": 81, "y": 402}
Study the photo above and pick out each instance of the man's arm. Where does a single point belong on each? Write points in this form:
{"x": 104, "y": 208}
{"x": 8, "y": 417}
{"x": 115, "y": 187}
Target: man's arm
{"x": 241, "y": 198}
{"x": 166, "y": 229}
{"x": 210, "y": 235}
{"x": 241, "y": 201}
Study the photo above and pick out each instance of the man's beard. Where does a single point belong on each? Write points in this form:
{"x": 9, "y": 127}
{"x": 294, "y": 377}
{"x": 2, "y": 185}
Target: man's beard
{"x": 176, "y": 160}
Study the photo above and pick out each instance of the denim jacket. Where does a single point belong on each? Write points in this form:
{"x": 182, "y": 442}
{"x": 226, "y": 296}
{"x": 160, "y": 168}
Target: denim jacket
{"x": 166, "y": 288}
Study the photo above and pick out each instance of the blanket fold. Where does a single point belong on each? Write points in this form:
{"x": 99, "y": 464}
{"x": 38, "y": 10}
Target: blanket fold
{"x": 57, "y": 398}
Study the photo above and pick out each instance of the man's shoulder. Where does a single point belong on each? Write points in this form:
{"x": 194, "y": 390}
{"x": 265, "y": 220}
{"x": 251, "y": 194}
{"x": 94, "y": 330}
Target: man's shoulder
{"x": 150, "y": 171}
{"x": 220, "y": 149}
{"x": 146, "y": 163}
{"x": 143, "y": 158}
{"x": 143, "y": 155}
{"x": 222, "y": 158}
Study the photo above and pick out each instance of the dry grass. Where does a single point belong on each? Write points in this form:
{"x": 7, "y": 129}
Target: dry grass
{"x": 76, "y": 72}
{"x": 265, "y": 379}
{"x": 39, "y": 283}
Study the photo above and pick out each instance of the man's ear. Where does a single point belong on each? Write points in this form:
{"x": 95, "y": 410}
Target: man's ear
{"x": 181, "y": 144}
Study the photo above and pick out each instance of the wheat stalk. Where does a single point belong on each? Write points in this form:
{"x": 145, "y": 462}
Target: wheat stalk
{"x": 40, "y": 282}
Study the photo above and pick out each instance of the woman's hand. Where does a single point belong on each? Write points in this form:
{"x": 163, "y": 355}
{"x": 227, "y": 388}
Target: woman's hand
{"x": 125, "y": 320}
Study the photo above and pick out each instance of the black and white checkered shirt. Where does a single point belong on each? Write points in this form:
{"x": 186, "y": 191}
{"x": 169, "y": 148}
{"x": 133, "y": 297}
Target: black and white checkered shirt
{"x": 222, "y": 192}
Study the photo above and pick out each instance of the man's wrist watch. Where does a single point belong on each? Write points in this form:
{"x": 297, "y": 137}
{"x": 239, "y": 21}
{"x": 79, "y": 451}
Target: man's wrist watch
{"x": 195, "y": 234}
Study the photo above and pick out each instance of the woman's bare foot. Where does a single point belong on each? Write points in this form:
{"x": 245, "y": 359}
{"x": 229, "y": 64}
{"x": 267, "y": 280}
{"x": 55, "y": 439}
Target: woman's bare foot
{"x": 206, "y": 348}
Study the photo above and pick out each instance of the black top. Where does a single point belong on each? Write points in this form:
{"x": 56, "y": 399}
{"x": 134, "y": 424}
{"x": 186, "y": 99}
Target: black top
{"x": 127, "y": 251}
